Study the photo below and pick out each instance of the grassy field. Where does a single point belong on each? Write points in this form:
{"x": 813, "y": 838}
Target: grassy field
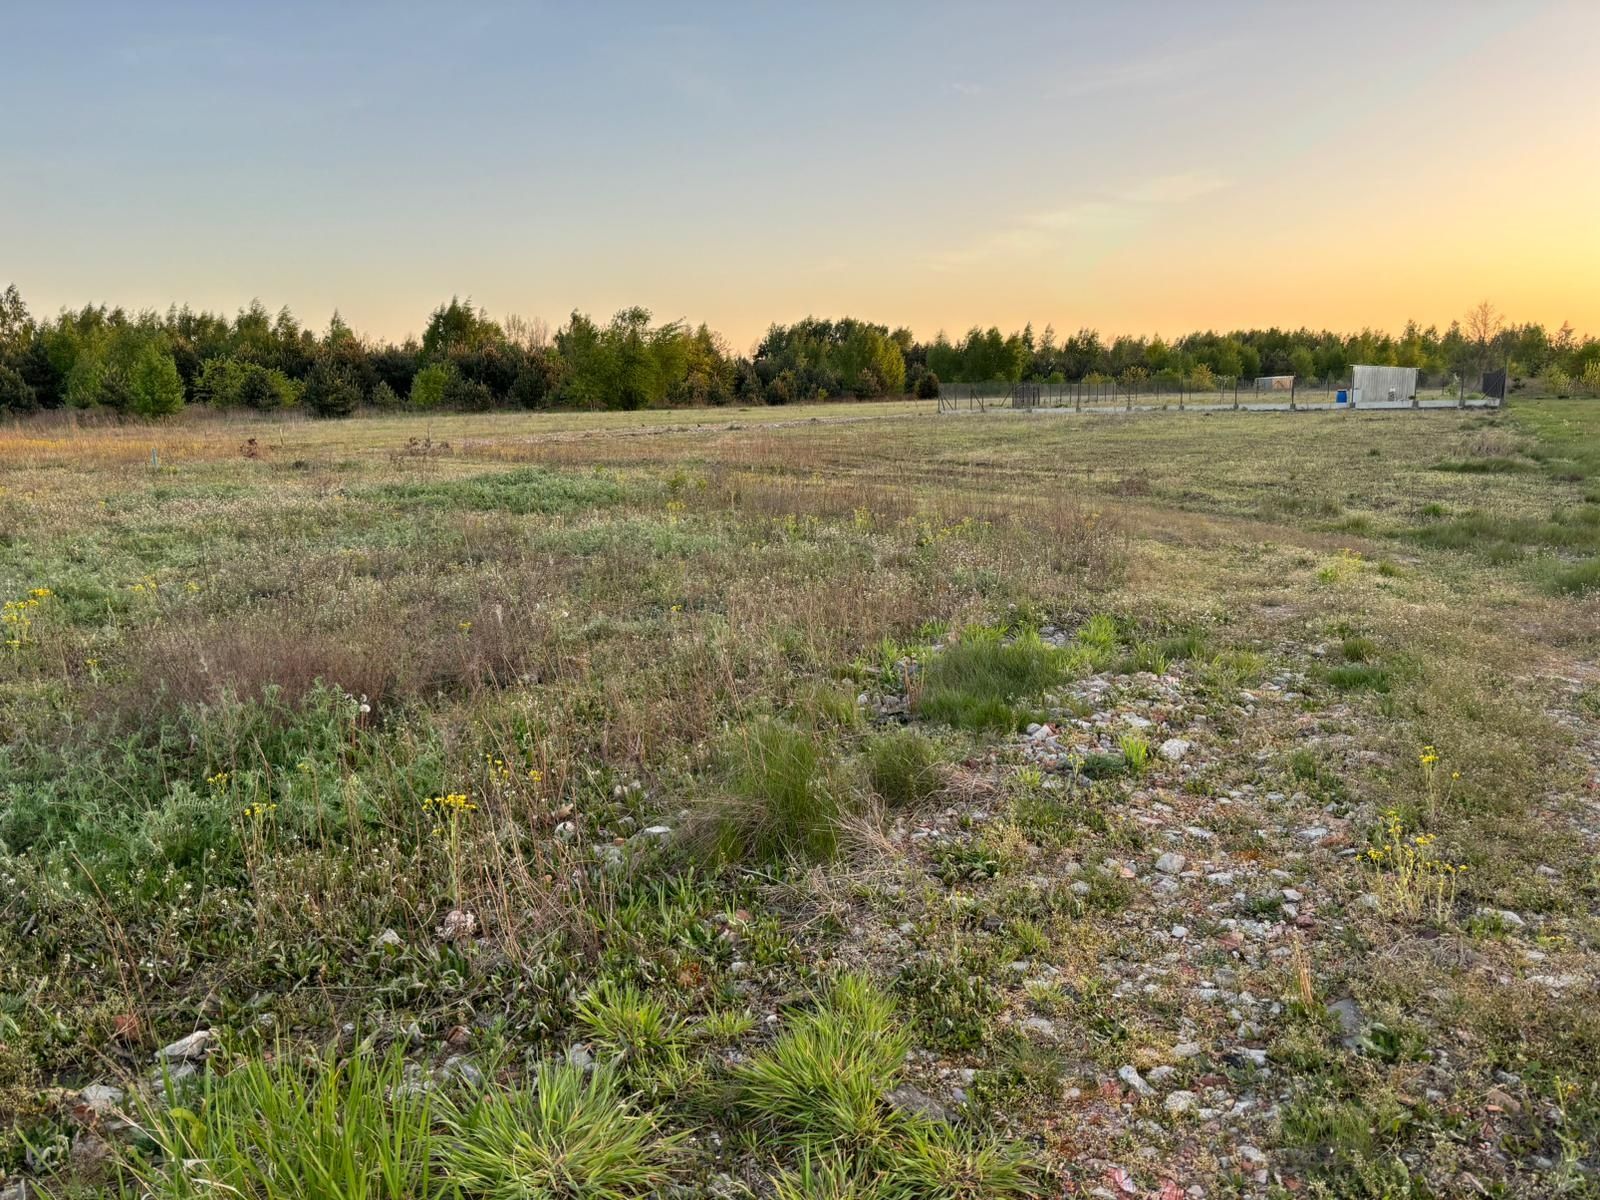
{"x": 822, "y": 802}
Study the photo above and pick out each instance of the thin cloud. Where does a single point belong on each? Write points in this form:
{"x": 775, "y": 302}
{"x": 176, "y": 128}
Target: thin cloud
{"x": 1085, "y": 224}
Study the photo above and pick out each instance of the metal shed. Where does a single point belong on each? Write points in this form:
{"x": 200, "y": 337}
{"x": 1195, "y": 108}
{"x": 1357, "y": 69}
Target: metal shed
{"x": 1375, "y": 386}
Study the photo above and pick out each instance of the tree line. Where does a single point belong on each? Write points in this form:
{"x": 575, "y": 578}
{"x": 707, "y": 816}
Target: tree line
{"x": 151, "y": 364}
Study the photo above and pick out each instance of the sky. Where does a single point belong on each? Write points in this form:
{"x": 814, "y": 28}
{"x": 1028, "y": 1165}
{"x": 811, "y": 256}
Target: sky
{"x": 1129, "y": 167}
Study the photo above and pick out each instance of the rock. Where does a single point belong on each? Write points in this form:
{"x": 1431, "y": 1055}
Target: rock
{"x": 1180, "y": 1102}
{"x": 1173, "y": 749}
{"x": 913, "y": 1101}
{"x": 458, "y": 923}
{"x": 578, "y": 1056}
{"x": 1314, "y": 834}
{"x": 1504, "y": 1102}
{"x": 1292, "y": 895}
{"x": 1185, "y": 1050}
{"x": 567, "y": 831}
{"x": 389, "y": 940}
{"x": 1179, "y": 932}
{"x": 1171, "y": 863}
{"x": 1506, "y": 917}
{"x": 1041, "y": 1027}
{"x": 1351, "y": 1021}
{"x": 1557, "y": 983}
{"x": 1129, "y": 1074}
{"x": 1221, "y": 878}
{"x": 100, "y": 1098}
{"x": 656, "y": 831}
{"x": 1159, "y": 1075}
{"x": 1136, "y": 721}
{"x": 459, "y": 1067}
{"x": 189, "y": 1049}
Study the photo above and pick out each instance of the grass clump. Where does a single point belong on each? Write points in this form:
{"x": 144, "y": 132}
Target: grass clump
{"x": 573, "y": 1136}
{"x": 1578, "y": 579}
{"x": 903, "y": 767}
{"x": 1358, "y": 677}
{"x": 976, "y": 683}
{"x": 318, "y": 1128}
{"x": 781, "y": 804}
{"x": 824, "y": 1081}
{"x": 822, "y": 1091}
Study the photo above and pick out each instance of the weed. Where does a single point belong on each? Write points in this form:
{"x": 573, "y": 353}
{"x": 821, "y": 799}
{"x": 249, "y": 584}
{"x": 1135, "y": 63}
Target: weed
{"x": 1357, "y": 677}
{"x": 952, "y": 997}
{"x": 1135, "y": 749}
{"x": 1410, "y": 881}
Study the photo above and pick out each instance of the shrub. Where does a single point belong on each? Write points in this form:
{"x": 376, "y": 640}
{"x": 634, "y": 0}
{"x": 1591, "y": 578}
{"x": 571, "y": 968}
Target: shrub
{"x": 928, "y": 386}
{"x": 385, "y": 397}
{"x": 903, "y": 767}
{"x": 468, "y": 395}
{"x": 781, "y": 803}
{"x": 428, "y": 386}
{"x": 573, "y": 1135}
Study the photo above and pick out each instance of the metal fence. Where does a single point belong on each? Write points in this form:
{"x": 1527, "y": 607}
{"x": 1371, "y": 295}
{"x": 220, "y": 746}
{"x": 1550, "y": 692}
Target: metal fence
{"x": 1147, "y": 395}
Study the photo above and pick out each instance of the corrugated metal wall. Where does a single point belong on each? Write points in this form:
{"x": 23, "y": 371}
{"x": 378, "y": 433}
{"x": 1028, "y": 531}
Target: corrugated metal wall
{"x": 1376, "y": 383}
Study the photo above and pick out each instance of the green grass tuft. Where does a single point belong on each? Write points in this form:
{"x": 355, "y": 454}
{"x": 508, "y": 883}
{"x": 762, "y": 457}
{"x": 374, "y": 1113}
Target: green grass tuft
{"x": 976, "y": 683}
{"x": 782, "y": 803}
{"x": 903, "y": 767}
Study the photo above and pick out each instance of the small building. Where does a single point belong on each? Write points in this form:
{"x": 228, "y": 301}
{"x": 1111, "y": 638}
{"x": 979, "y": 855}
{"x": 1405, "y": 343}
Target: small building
{"x": 1383, "y": 385}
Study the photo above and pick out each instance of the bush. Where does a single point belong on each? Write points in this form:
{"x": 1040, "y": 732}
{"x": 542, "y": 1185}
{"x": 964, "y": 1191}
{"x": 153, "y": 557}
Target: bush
{"x": 903, "y": 767}
{"x": 429, "y": 385}
{"x": 16, "y": 394}
{"x": 331, "y": 391}
{"x": 265, "y": 388}
{"x": 468, "y": 395}
{"x": 928, "y": 386}
{"x": 385, "y": 397}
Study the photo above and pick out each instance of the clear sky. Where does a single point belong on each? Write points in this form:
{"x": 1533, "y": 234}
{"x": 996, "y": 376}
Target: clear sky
{"x": 1134, "y": 167}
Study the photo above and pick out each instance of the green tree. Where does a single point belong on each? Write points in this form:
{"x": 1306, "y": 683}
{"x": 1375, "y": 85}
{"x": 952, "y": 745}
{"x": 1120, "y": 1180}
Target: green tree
{"x": 154, "y": 385}
{"x": 16, "y": 394}
{"x": 428, "y": 386}
{"x": 331, "y": 390}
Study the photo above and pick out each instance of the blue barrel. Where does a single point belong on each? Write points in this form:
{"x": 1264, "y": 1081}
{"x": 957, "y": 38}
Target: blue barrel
{"x": 1343, "y": 397}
